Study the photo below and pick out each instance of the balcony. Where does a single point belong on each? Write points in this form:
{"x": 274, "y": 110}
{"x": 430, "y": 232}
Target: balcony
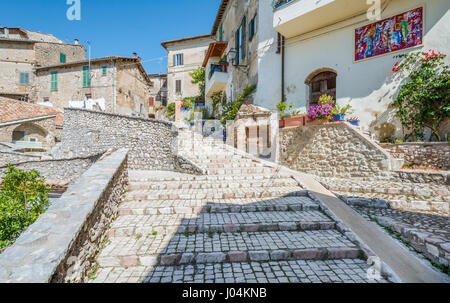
{"x": 217, "y": 79}
{"x": 296, "y": 17}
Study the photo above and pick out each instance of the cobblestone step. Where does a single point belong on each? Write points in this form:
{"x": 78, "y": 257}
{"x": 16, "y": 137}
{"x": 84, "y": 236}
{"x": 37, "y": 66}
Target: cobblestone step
{"x": 224, "y": 193}
{"x": 301, "y": 271}
{"x": 127, "y": 226}
{"x": 228, "y": 247}
{"x": 148, "y": 177}
{"x": 238, "y": 171}
{"x": 173, "y": 185}
{"x": 217, "y": 206}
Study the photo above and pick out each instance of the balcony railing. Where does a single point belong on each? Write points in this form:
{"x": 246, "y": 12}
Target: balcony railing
{"x": 278, "y": 3}
{"x": 221, "y": 68}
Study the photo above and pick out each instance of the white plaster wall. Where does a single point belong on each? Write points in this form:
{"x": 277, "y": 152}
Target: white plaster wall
{"x": 269, "y": 62}
{"x": 369, "y": 85}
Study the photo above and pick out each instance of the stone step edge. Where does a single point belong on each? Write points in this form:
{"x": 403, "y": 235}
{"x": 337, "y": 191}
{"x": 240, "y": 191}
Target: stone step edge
{"x": 148, "y": 197}
{"x": 223, "y": 185}
{"x": 125, "y": 211}
{"x": 224, "y": 228}
{"x": 335, "y": 253}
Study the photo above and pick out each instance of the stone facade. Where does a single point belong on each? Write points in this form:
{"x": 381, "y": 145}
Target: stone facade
{"x": 335, "y": 149}
{"x": 158, "y": 92}
{"x": 152, "y": 143}
{"x": 43, "y": 130}
{"x": 432, "y": 155}
{"x": 193, "y": 52}
{"x": 61, "y": 245}
{"x": 121, "y": 82}
{"x": 12, "y": 158}
{"x": 24, "y": 50}
{"x": 61, "y": 170}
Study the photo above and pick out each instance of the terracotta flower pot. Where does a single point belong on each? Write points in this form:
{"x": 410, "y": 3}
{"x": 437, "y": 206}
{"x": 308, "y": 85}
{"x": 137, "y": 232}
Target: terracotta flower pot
{"x": 318, "y": 122}
{"x": 281, "y": 123}
{"x": 295, "y": 121}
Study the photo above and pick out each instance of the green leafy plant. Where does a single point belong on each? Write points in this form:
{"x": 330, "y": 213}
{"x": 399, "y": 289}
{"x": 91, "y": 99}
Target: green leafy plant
{"x": 198, "y": 77}
{"x": 171, "y": 110}
{"x": 23, "y": 198}
{"x": 216, "y": 100}
{"x": 326, "y": 99}
{"x": 342, "y": 110}
{"x": 424, "y": 99}
{"x": 188, "y": 102}
{"x": 281, "y": 107}
{"x": 231, "y": 109}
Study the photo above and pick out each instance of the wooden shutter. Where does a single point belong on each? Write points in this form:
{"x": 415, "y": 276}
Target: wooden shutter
{"x": 86, "y": 76}
{"x": 151, "y": 101}
{"x": 54, "y": 80}
{"x": 237, "y": 46}
{"x": 244, "y": 36}
{"x": 62, "y": 58}
{"x": 178, "y": 86}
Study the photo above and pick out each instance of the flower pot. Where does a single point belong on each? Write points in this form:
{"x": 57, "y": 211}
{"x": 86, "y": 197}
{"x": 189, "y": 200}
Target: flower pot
{"x": 338, "y": 117}
{"x": 314, "y": 122}
{"x": 355, "y": 122}
{"x": 294, "y": 121}
{"x": 281, "y": 123}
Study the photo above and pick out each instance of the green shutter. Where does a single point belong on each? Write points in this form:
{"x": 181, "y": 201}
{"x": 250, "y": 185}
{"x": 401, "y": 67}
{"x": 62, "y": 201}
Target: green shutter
{"x": 24, "y": 78}
{"x": 54, "y": 81}
{"x": 104, "y": 70}
{"x": 62, "y": 58}
{"x": 221, "y": 33}
{"x": 86, "y": 76}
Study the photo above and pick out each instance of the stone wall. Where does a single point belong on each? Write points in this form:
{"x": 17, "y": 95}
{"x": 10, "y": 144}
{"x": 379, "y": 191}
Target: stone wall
{"x": 67, "y": 170}
{"x": 152, "y": 143}
{"x": 335, "y": 149}
{"x": 432, "y": 155}
{"x": 61, "y": 245}
{"x": 49, "y": 53}
{"x": 12, "y": 158}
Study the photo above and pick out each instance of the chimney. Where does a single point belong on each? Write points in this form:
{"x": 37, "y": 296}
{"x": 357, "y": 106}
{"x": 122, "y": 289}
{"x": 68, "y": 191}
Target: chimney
{"x": 76, "y": 42}
{"x": 134, "y": 55}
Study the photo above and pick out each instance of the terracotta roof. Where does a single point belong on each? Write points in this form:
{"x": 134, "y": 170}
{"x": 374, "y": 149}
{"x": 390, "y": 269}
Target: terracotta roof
{"x": 220, "y": 13}
{"x": 12, "y": 110}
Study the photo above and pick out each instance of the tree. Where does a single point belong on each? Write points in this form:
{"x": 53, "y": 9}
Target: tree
{"x": 424, "y": 100}
{"x": 198, "y": 77}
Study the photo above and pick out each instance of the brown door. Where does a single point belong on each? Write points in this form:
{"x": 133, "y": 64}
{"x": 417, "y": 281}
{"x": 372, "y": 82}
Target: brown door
{"x": 323, "y": 83}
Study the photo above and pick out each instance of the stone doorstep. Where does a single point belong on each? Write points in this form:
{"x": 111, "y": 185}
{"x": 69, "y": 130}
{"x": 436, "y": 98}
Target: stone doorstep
{"x": 150, "y": 210}
{"x": 222, "y": 228}
{"x": 338, "y": 253}
{"x": 216, "y": 195}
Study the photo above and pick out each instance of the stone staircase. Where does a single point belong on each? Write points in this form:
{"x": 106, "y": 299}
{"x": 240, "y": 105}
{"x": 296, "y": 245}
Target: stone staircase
{"x": 242, "y": 222}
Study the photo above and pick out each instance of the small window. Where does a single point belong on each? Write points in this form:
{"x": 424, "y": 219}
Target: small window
{"x": 86, "y": 76}
{"x": 104, "y": 70}
{"x": 24, "y": 78}
{"x": 33, "y": 140}
{"x": 178, "y": 86}
{"x": 240, "y": 42}
{"x": 62, "y": 58}
{"x": 178, "y": 60}
{"x": 46, "y": 99}
{"x": 54, "y": 81}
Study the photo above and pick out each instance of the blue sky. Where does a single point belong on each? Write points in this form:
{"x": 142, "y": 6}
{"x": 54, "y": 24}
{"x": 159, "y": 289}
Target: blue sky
{"x": 116, "y": 27}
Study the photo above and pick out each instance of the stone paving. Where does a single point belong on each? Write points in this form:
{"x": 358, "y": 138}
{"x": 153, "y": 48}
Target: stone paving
{"x": 217, "y": 228}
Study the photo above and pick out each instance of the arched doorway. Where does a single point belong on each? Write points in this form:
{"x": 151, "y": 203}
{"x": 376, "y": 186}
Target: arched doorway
{"x": 321, "y": 82}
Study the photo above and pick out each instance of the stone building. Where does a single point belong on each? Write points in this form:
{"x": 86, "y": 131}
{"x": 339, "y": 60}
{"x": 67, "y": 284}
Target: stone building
{"x": 184, "y": 56}
{"x": 22, "y": 51}
{"x": 29, "y": 126}
{"x": 111, "y": 84}
{"x": 332, "y": 47}
{"x": 158, "y": 92}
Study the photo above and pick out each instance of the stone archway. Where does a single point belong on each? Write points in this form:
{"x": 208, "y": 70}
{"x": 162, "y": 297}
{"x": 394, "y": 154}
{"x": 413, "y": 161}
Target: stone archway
{"x": 29, "y": 132}
{"x": 321, "y": 82}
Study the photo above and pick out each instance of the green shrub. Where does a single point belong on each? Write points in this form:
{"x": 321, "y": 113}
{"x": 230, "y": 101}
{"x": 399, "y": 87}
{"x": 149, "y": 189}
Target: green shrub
{"x": 231, "y": 109}
{"x": 23, "y": 198}
{"x": 171, "y": 110}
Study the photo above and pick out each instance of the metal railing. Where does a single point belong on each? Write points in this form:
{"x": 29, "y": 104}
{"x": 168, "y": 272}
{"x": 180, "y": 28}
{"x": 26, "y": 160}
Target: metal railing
{"x": 278, "y": 3}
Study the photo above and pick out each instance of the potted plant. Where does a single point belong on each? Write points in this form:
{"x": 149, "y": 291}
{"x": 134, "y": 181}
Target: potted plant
{"x": 354, "y": 121}
{"x": 319, "y": 113}
{"x": 291, "y": 117}
{"x": 223, "y": 61}
{"x": 281, "y": 107}
{"x": 339, "y": 112}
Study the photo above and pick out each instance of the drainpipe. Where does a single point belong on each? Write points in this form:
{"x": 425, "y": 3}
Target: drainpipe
{"x": 283, "y": 51}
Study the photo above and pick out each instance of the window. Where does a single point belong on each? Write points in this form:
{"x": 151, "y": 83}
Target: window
{"x": 151, "y": 101}
{"x": 321, "y": 84}
{"x": 54, "y": 81}
{"x": 62, "y": 58}
{"x": 280, "y": 42}
{"x": 18, "y": 136}
{"x": 104, "y": 70}
{"x": 240, "y": 41}
{"x": 178, "y": 60}
{"x": 252, "y": 28}
{"x": 24, "y": 78}
{"x": 86, "y": 76}
{"x": 177, "y": 86}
